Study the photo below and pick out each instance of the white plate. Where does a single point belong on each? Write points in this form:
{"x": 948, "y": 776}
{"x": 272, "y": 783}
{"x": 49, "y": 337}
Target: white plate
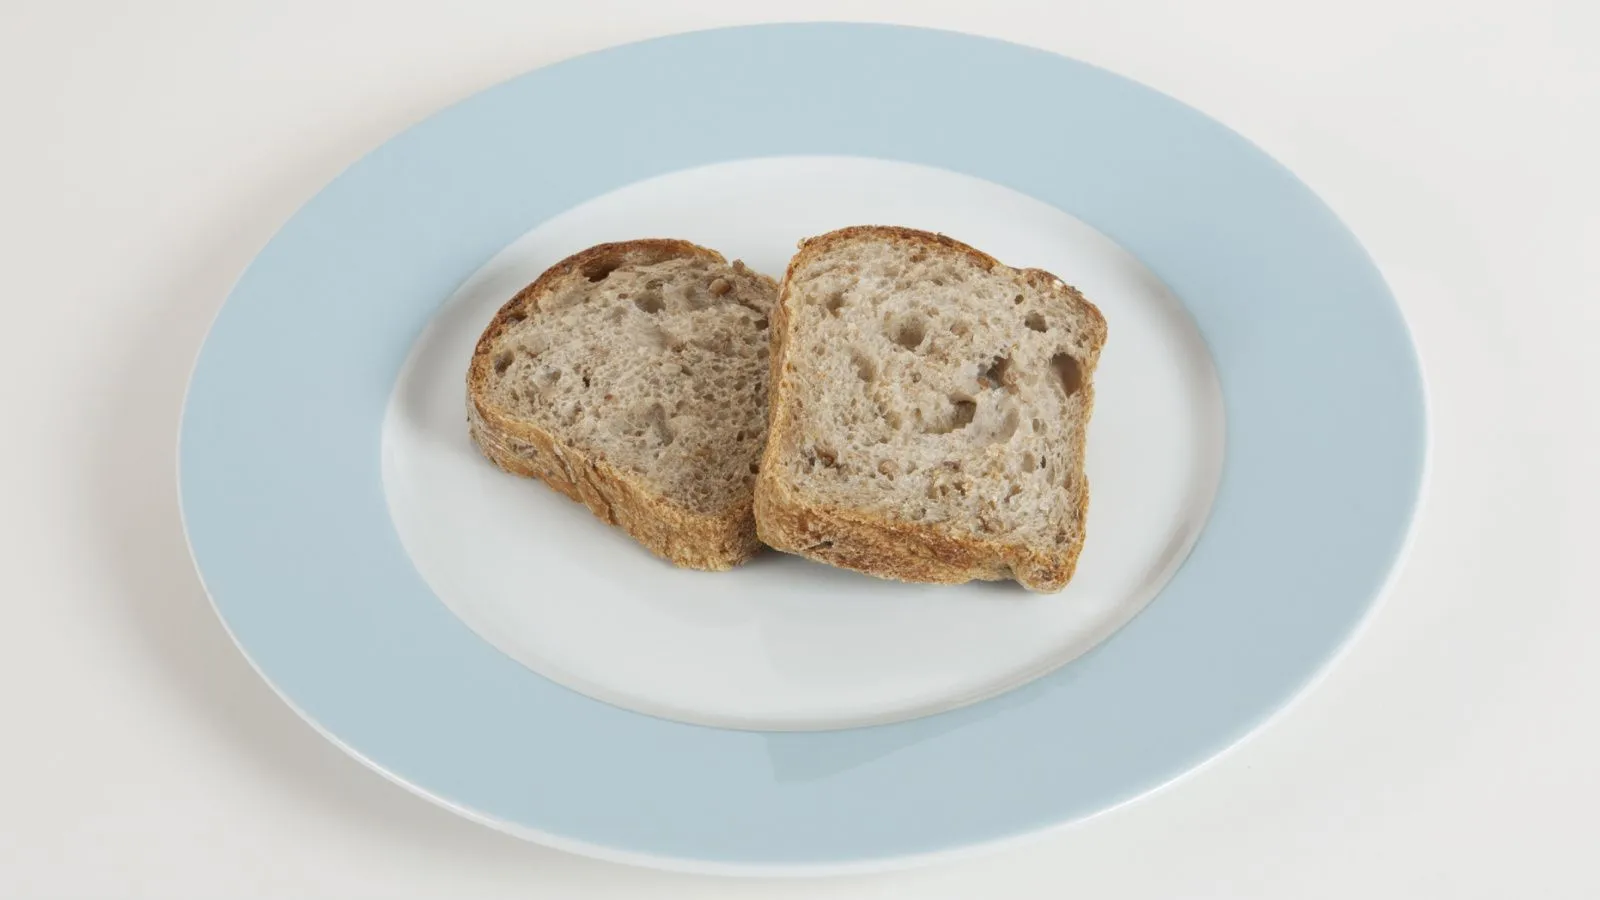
{"x": 782, "y": 643}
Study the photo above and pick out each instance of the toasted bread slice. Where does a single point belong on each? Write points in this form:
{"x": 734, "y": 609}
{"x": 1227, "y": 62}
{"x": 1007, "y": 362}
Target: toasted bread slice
{"x": 632, "y": 377}
{"x": 929, "y": 412}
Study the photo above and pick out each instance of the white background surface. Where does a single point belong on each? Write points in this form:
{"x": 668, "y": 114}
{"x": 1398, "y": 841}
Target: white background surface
{"x": 149, "y": 150}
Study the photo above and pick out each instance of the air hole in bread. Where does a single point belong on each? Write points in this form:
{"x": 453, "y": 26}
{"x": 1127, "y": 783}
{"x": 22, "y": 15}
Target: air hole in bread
{"x": 1018, "y": 299}
{"x": 834, "y": 302}
{"x": 1068, "y": 372}
{"x": 547, "y": 377}
{"x": 962, "y": 409}
{"x": 761, "y": 323}
{"x": 650, "y": 302}
{"x": 1029, "y": 462}
{"x": 513, "y": 318}
{"x": 656, "y": 419}
{"x": 889, "y": 469}
{"x": 960, "y": 329}
{"x": 1008, "y": 426}
{"x": 662, "y": 338}
{"x": 866, "y": 369}
{"x": 909, "y": 332}
{"x": 996, "y": 373}
{"x": 1036, "y": 322}
{"x": 502, "y": 361}
{"x": 722, "y": 344}
{"x": 598, "y": 269}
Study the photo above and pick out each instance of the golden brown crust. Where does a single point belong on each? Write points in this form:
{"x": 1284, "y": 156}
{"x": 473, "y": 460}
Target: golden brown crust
{"x": 877, "y": 544}
{"x": 615, "y": 496}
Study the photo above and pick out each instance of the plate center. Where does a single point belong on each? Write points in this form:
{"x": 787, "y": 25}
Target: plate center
{"x": 782, "y": 643}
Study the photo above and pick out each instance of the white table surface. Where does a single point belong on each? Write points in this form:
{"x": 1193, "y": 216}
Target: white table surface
{"x": 149, "y": 150}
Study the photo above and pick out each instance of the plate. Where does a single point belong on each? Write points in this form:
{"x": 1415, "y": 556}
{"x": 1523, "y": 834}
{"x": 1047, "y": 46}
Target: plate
{"x": 1256, "y": 454}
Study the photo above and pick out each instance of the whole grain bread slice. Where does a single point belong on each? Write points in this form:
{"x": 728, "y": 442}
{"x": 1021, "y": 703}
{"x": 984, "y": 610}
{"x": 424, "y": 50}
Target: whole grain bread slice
{"x": 929, "y": 412}
{"x": 632, "y": 377}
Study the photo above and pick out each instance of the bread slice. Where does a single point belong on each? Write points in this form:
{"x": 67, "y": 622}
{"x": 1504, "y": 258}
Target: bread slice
{"x": 632, "y": 377}
{"x": 929, "y": 412}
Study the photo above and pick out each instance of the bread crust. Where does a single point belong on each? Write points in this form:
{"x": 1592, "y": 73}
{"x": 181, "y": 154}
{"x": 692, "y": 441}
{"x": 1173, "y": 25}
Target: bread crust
{"x": 881, "y": 545}
{"x": 618, "y": 497}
